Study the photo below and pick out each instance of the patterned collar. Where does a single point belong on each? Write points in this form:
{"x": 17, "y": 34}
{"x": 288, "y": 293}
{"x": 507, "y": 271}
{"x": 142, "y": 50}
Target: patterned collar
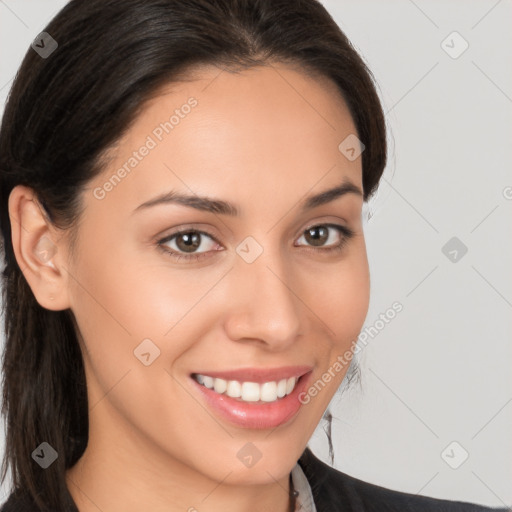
{"x": 305, "y": 502}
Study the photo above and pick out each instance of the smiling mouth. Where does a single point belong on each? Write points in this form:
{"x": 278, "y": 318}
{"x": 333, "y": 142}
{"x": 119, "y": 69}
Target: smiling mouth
{"x": 247, "y": 391}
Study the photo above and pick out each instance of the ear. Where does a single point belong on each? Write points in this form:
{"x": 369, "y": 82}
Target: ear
{"x": 39, "y": 249}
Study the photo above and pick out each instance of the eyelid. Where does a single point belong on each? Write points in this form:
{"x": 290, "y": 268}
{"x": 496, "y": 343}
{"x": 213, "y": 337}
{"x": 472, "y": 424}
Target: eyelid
{"x": 181, "y": 230}
{"x": 198, "y": 227}
{"x": 333, "y": 224}
{"x": 345, "y": 232}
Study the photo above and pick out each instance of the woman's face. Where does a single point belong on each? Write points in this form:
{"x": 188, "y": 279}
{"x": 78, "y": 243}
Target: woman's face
{"x": 276, "y": 286}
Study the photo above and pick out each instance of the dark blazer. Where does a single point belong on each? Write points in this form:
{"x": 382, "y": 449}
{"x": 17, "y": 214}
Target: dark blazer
{"x": 333, "y": 491}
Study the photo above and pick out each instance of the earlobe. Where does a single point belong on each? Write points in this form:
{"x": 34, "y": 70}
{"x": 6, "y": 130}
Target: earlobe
{"x": 36, "y": 248}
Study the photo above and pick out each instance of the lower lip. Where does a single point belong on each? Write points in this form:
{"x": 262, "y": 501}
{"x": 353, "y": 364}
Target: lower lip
{"x": 258, "y": 415}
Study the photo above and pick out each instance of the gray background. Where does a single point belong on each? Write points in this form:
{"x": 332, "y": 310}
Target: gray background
{"x": 439, "y": 372}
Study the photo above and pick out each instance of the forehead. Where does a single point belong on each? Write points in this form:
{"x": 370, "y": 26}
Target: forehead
{"x": 270, "y": 128}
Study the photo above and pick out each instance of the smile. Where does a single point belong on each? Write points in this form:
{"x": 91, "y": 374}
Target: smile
{"x": 256, "y": 398}
{"x": 269, "y": 391}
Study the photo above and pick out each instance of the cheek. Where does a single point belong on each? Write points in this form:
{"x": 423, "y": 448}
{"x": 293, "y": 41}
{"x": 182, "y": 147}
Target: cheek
{"x": 117, "y": 304}
{"x": 340, "y": 296}
{"x": 128, "y": 317}
{"x": 126, "y": 308}
{"x": 341, "y": 300}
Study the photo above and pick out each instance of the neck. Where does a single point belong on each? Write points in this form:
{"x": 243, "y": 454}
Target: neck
{"x": 118, "y": 472}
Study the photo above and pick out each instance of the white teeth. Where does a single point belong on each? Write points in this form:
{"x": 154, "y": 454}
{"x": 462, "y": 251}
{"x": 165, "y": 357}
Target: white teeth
{"x": 220, "y": 385}
{"x": 290, "y": 384}
{"x": 249, "y": 391}
{"x": 234, "y": 389}
{"x": 281, "y": 388}
{"x": 207, "y": 381}
{"x": 268, "y": 392}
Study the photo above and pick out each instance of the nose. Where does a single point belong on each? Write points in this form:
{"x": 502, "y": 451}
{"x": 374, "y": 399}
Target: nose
{"x": 264, "y": 308}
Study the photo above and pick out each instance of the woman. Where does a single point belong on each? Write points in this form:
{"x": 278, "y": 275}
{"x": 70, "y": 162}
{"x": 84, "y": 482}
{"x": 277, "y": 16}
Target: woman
{"x": 181, "y": 190}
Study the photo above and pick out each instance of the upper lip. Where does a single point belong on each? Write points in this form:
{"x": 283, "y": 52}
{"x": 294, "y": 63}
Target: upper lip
{"x": 258, "y": 375}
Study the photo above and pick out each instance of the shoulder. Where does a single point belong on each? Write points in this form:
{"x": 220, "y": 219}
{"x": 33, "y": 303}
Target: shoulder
{"x": 334, "y": 491}
{"x": 18, "y": 502}
{"x": 21, "y": 501}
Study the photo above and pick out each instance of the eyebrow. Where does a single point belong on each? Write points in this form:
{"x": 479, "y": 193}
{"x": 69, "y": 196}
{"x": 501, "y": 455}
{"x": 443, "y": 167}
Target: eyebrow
{"x": 219, "y": 206}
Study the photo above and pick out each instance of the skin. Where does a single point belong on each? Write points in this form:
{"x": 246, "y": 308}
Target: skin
{"x": 264, "y": 139}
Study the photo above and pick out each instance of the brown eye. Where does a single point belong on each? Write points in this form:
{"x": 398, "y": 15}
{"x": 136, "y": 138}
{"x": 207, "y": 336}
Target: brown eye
{"x": 186, "y": 242}
{"x": 319, "y": 235}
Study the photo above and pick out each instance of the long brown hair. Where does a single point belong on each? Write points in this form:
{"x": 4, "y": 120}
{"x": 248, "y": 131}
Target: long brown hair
{"x": 64, "y": 111}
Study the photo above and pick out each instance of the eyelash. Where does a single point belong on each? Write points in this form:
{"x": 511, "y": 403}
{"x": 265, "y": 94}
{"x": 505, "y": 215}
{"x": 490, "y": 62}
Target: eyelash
{"x": 346, "y": 232}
